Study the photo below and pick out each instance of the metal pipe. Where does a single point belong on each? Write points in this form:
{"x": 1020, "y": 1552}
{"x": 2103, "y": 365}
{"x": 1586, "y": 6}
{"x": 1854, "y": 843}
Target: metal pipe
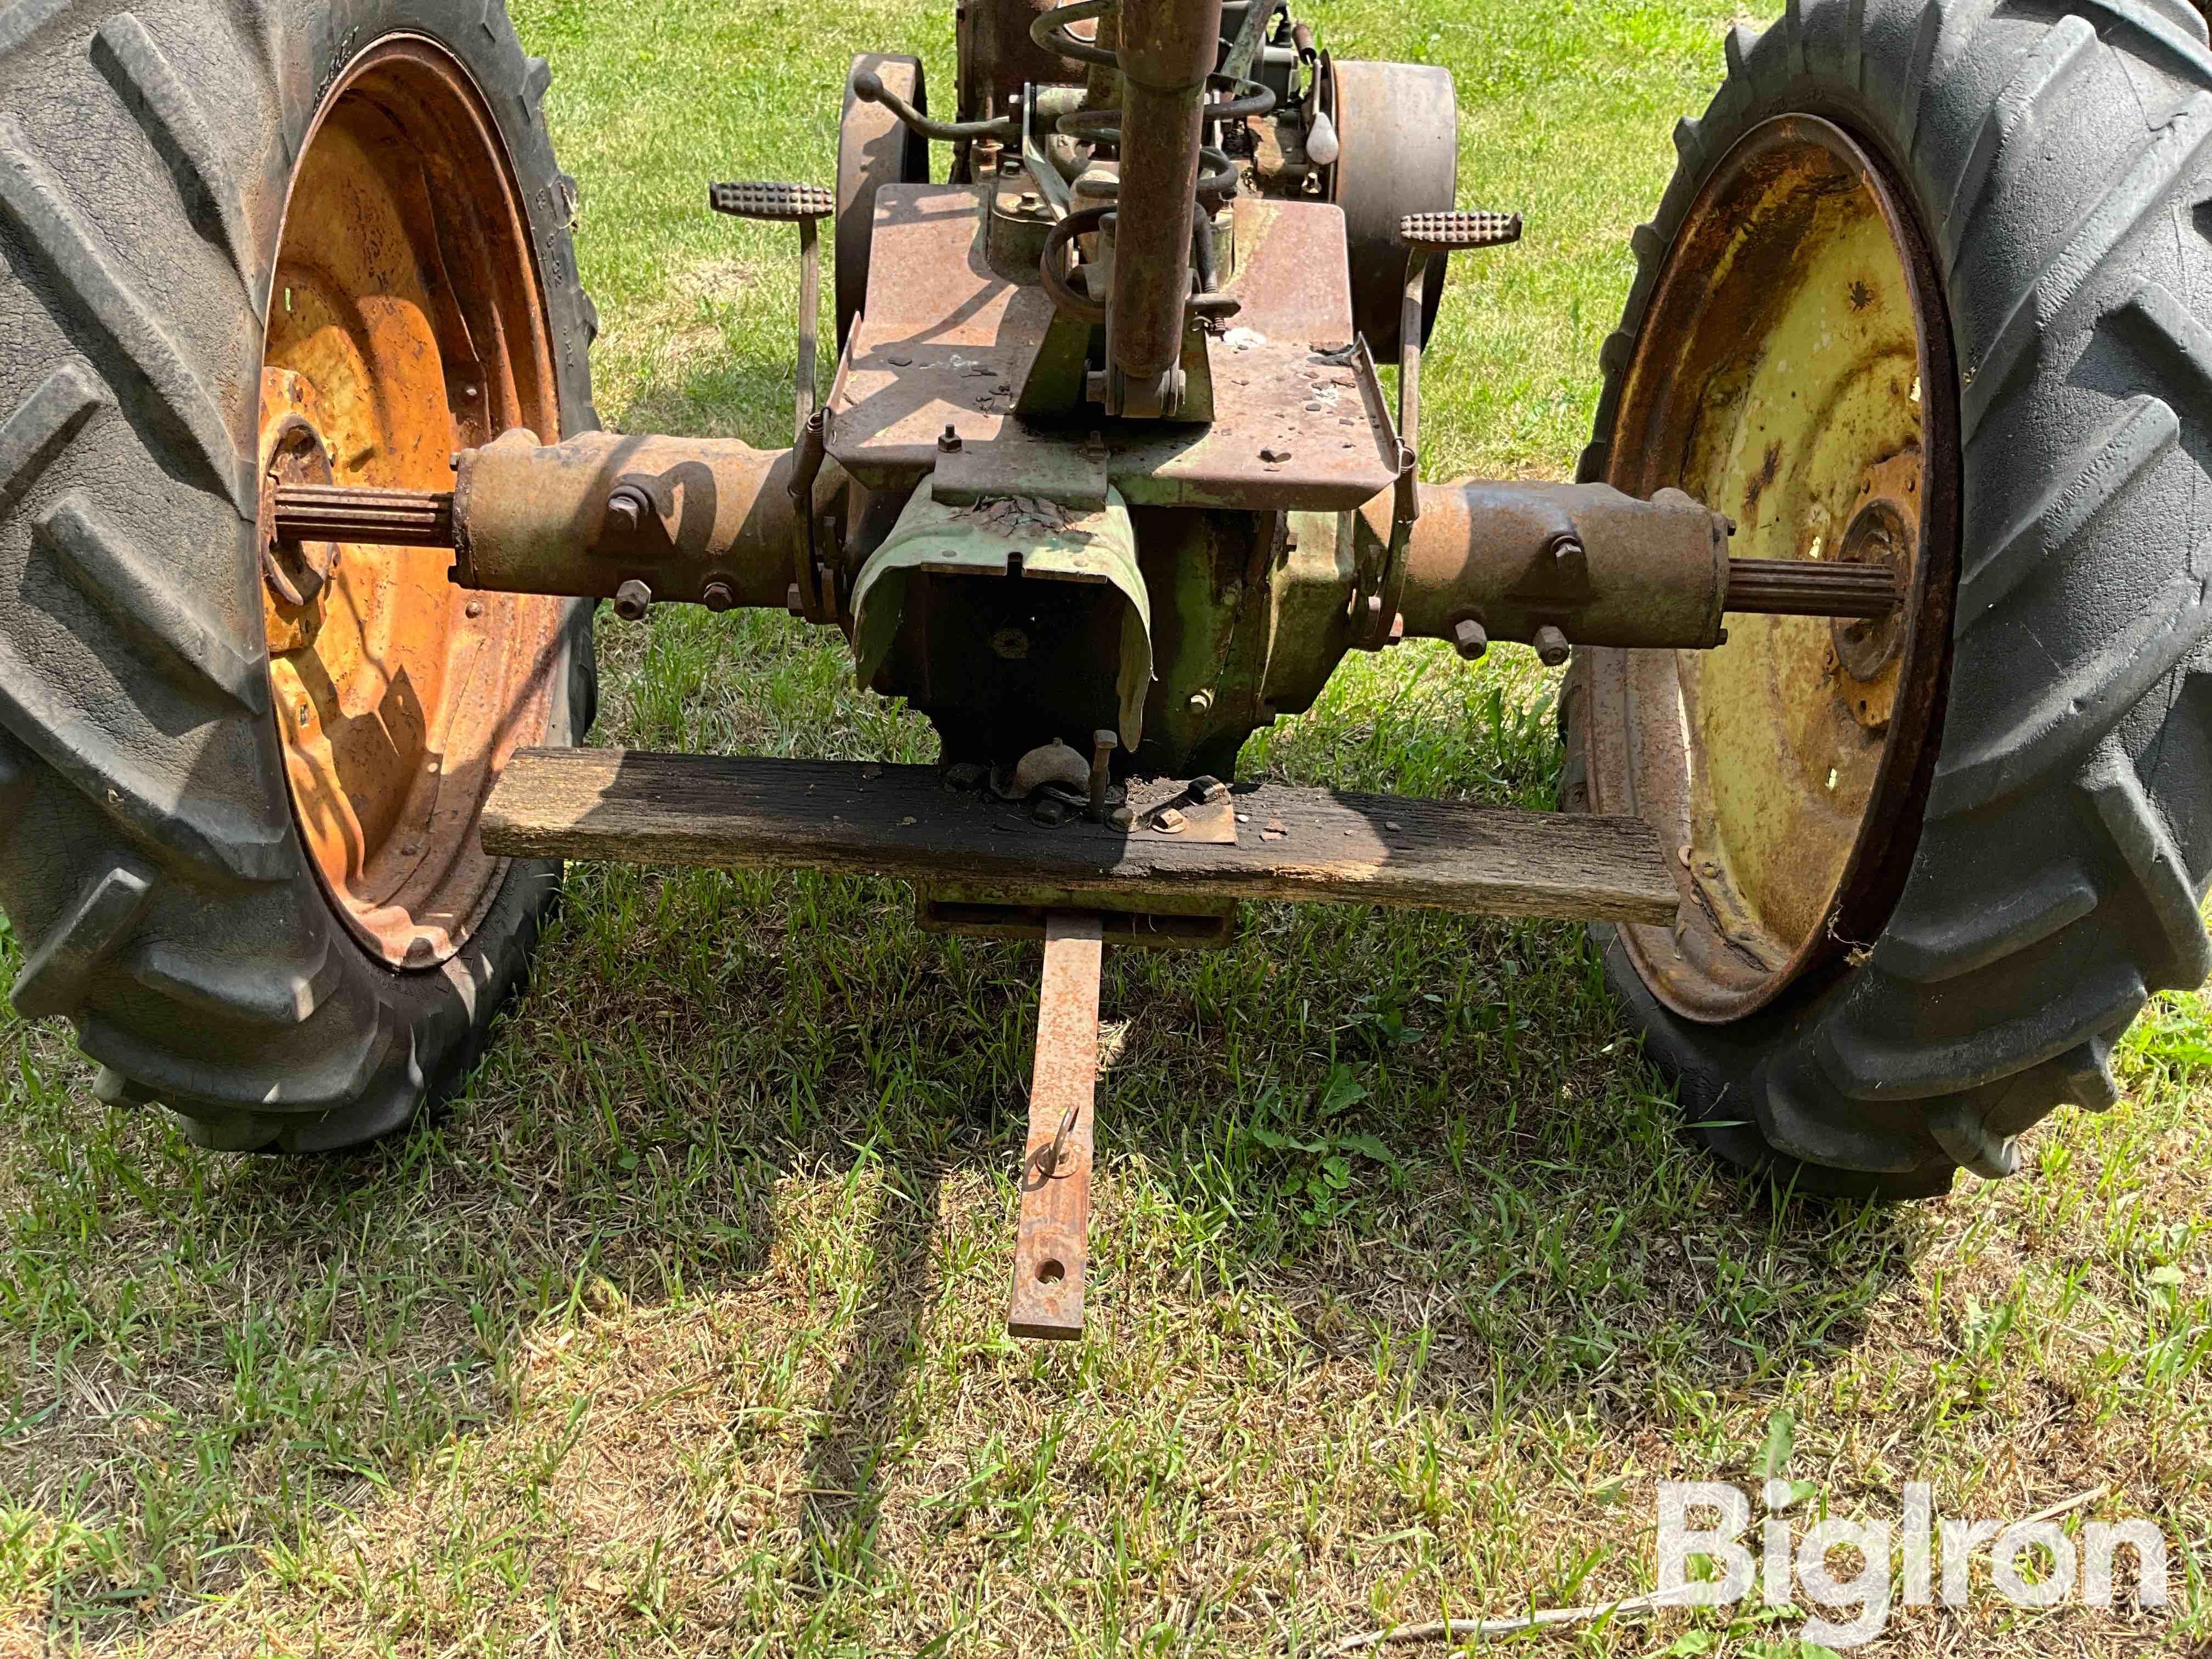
{"x": 700, "y": 520}
{"x": 1168, "y": 48}
{"x": 1601, "y": 567}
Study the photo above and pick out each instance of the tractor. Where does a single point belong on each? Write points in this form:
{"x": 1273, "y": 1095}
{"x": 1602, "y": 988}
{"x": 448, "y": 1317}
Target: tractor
{"x": 1887, "y": 705}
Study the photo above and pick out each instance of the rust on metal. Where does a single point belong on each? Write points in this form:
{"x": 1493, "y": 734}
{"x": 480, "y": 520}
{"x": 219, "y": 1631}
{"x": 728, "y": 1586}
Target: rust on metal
{"x": 1299, "y": 422}
{"x": 1793, "y": 370}
{"x": 683, "y": 515}
{"x": 1052, "y": 1247}
{"x": 404, "y": 323}
{"x": 1601, "y": 567}
{"x": 1168, "y": 48}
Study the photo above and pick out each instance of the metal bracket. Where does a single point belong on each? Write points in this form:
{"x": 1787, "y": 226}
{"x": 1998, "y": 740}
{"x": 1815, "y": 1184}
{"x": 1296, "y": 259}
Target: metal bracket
{"x": 1052, "y": 1248}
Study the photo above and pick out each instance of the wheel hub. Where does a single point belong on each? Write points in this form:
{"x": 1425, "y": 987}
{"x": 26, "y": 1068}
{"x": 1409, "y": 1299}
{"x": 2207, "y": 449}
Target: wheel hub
{"x": 1865, "y": 652}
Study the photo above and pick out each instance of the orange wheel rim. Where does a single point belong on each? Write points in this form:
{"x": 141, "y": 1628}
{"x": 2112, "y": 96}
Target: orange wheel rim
{"x": 405, "y": 322}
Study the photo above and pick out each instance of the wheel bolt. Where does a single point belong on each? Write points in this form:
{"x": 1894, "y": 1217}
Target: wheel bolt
{"x": 1470, "y": 638}
{"x": 1552, "y": 647}
{"x": 632, "y": 600}
{"x": 719, "y": 597}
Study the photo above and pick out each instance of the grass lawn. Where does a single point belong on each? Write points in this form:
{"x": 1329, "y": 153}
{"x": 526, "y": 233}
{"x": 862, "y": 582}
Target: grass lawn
{"x": 681, "y": 1331}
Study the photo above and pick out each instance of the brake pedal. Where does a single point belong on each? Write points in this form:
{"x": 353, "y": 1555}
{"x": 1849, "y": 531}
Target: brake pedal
{"x": 776, "y": 204}
{"x": 789, "y": 204}
{"x": 1451, "y": 232}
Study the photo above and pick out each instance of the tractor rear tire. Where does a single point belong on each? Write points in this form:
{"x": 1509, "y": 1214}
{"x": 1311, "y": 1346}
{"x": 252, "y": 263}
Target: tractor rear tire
{"x": 2056, "y": 160}
{"x": 160, "y": 890}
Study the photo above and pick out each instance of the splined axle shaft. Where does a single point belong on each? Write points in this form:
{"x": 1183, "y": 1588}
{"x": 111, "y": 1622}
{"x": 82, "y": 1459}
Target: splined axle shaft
{"x": 1806, "y": 587}
{"x": 389, "y": 518}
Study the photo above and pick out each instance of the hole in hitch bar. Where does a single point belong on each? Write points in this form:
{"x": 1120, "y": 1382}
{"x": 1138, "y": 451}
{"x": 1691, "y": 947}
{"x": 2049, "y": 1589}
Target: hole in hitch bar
{"x": 1051, "y": 1272}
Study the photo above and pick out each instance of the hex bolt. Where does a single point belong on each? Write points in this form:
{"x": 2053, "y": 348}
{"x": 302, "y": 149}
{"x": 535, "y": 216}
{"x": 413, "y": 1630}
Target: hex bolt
{"x": 1049, "y": 812}
{"x": 719, "y": 597}
{"x": 1102, "y": 745}
{"x": 1205, "y": 791}
{"x": 1565, "y": 546}
{"x": 1201, "y": 703}
{"x": 1552, "y": 647}
{"x": 948, "y": 443}
{"x": 1170, "y": 822}
{"x": 627, "y": 505}
{"x": 1470, "y": 638}
{"x": 632, "y": 600}
{"x": 1120, "y": 818}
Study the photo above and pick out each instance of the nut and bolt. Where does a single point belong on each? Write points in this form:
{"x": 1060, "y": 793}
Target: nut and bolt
{"x": 965, "y": 775}
{"x": 1552, "y": 647}
{"x": 1170, "y": 822}
{"x": 1120, "y": 818}
{"x": 632, "y": 600}
{"x": 1049, "y": 812}
{"x": 1201, "y": 703}
{"x": 948, "y": 442}
{"x": 627, "y": 507}
{"x": 1470, "y": 638}
{"x": 1567, "y": 546}
{"x": 719, "y": 597}
{"x": 1206, "y": 791}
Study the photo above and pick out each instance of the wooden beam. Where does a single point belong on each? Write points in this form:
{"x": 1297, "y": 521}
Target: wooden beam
{"x": 1312, "y": 845}
{"x": 1052, "y": 1248}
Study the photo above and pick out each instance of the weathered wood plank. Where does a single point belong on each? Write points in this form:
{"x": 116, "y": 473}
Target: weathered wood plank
{"x": 1312, "y": 845}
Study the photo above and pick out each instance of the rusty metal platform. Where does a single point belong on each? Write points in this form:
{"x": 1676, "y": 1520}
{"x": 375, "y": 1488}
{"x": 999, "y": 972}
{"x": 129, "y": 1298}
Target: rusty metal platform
{"x": 1310, "y": 845}
{"x": 945, "y": 343}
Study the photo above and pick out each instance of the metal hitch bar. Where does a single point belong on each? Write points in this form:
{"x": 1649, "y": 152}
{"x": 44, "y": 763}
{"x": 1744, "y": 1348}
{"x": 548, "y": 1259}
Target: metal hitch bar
{"x": 1052, "y": 1246}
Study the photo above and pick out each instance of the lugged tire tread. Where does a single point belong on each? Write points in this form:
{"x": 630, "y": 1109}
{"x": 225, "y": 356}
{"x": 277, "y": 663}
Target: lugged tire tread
{"x": 38, "y": 206}
{"x": 223, "y": 840}
{"x": 260, "y": 993}
{"x": 2158, "y": 170}
{"x": 2085, "y": 702}
{"x": 1975, "y": 934}
{"x": 164, "y": 105}
{"x": 2063, "y": 53}
{"x": 2102, "y": 471}
{"x": 54, "y": 975}
{"x": 22, "y": 20}
{"x": 43, "y": 423}
{"x": 125, "y": 582}
{"x": 2147, "y": 848}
